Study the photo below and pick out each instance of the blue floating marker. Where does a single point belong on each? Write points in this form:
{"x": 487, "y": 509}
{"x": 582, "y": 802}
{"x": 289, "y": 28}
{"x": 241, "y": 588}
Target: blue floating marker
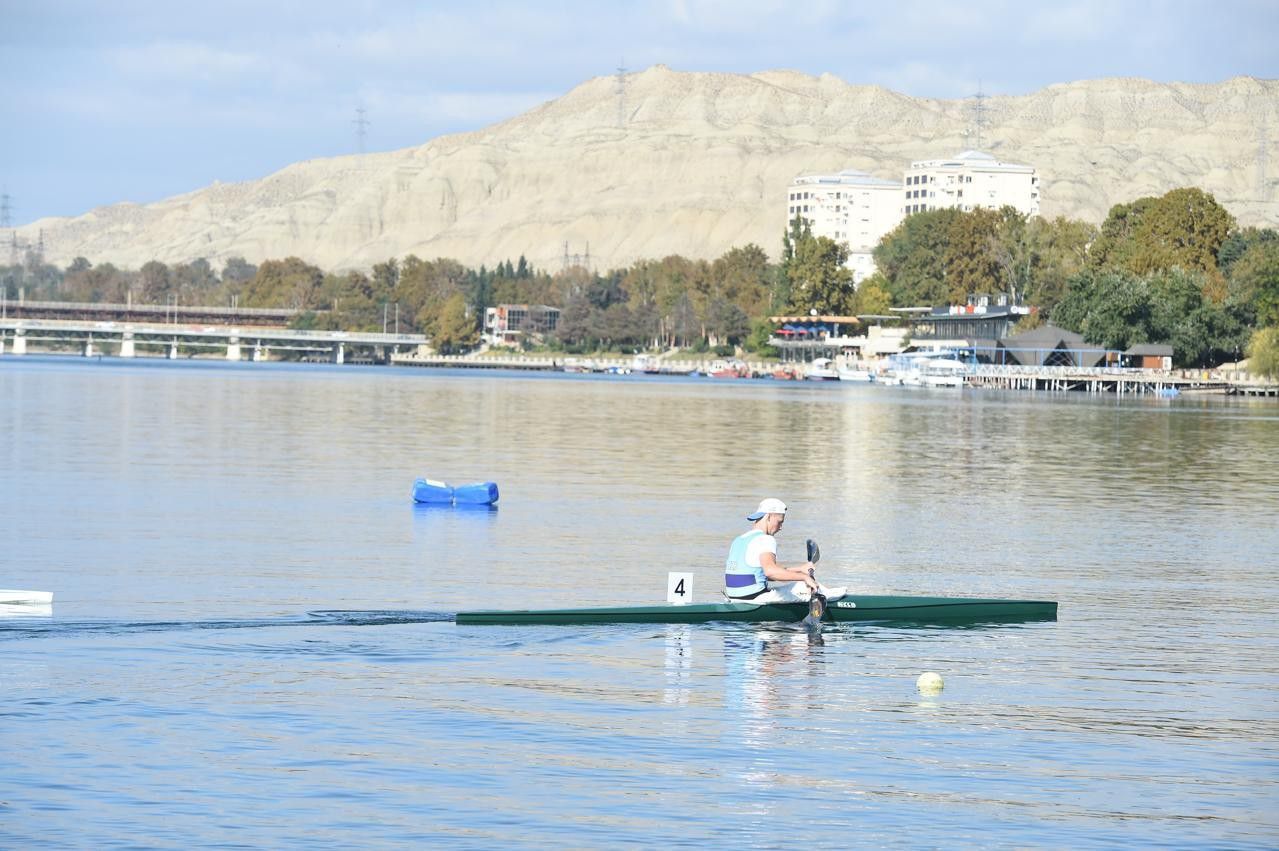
{"x": 480, "y": 493}
{"x": 431, "y": 492}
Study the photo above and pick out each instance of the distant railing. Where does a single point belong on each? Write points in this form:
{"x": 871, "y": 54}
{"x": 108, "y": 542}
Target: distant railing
{"x": 1061, "y": 371}
{"x": 158, "y": 309}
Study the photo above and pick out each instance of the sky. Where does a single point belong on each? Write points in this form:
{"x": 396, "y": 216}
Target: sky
{"x": 139, "y": 100}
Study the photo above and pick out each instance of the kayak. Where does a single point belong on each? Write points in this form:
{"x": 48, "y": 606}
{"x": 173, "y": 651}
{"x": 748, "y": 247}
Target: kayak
{"x": 26, "y": 598}
{"x": 851, "y": 607}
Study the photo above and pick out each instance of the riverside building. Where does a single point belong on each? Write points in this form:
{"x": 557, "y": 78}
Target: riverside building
{"x": 969, "y": 181}
{"x": 851, "y": 207}
{"x": 859, "y": 210}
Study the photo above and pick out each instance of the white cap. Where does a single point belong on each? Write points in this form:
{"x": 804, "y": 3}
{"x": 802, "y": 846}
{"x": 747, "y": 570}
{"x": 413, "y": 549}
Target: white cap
{"x": 768, "y": 506}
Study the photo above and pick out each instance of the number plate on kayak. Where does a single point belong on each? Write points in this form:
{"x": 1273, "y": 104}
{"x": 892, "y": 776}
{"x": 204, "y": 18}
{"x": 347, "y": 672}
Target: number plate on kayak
{"x": 848, "y": 605}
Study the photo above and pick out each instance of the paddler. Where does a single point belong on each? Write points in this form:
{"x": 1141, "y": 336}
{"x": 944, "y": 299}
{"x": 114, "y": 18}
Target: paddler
{"x": 751, "y": 571}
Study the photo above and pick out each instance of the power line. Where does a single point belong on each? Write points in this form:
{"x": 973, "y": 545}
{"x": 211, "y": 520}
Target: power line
{"x": 360, "y": 123}
{"x": 980, "y": 114}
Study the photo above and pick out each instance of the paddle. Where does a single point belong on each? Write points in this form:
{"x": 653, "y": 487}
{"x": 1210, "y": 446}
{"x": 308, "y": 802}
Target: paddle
{"x": 817, "y": 602}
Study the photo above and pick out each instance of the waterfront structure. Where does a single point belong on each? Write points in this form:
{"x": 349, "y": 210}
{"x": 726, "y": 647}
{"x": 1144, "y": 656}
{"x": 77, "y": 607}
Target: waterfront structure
{"x": 982, "y": 320}
{"x": 851, "y": 207}
{"x": 507, "y": 324}
{"x": 1049, "y": 346}
{"x": 970, "y": 181}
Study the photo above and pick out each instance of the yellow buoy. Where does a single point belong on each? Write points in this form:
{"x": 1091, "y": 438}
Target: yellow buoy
{"x": 929, "y": 683}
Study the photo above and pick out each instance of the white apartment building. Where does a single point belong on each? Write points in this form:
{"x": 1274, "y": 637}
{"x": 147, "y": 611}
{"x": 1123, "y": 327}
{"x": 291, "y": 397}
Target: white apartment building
{"x": 969, "y": 181}
{"x": 851, "y": 207}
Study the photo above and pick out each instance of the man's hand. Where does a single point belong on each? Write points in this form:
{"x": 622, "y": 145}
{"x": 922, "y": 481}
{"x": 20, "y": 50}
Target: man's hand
{"x": 809, "y": 579}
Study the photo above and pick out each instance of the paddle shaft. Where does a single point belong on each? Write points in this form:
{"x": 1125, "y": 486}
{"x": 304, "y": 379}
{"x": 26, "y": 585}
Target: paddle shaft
{"x": 817, "y": 602}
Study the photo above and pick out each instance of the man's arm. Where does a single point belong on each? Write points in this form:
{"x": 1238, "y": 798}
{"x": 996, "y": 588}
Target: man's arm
{"x": 778, "y": 573}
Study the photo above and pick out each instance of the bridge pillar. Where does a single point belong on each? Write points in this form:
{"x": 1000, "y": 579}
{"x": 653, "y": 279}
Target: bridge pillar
{"x": 88, "y": 348}
{"x": 339, "y": 353}
{"x": 173, "y": 350}
{"x": 126, "y": 345}
{"x": 259, "y": 353}
{"x": 1, "y": 344}
{"x": 233, "y": 348}
{"x": 19, "y": 342}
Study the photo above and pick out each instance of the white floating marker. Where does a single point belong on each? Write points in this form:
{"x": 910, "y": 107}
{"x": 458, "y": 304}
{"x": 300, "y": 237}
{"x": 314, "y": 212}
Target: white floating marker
{"x": 929, "y": 683}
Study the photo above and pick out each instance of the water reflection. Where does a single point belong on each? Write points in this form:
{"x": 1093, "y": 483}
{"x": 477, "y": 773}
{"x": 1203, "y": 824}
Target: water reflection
{"x": 26, "y": 610}
{"x": 678, "y": 665}
{"x": 770, "y": 670}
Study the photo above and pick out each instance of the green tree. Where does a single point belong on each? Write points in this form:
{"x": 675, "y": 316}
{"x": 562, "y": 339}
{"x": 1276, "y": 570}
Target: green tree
{"x": 872, "y": 297}
{"x": 726, "y": 322}
{"x": 1116, "y": 244}
{"x": 1183, "y": 228}
{"x": 744, "y": 277}
{"x": 238, "y": 270}
{"x": 1112, "y": 308}
{"x": 156, "y": 281}
{"x": 819, "y": 278}
{"x": 1207, "y": 336}
{"x": 971, "y": 260}
{"x": 290, "y": 283}
{"x": 1056, "y": 251}
{"x": 453, "y": 330}
{"x": 1238, "y": 243}
{"x": 581, "y": 323}
{"x": 1254, "y": 282}
{"x": 912, "y": 258}
{"x": 1263, "y": 353}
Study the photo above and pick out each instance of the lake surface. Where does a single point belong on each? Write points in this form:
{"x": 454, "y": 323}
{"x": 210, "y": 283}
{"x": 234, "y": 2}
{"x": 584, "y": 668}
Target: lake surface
{"x": 251, "y": 641}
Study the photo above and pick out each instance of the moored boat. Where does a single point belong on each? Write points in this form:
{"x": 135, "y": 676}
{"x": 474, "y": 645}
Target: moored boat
{"x": 821, "y": 369}
{"x": 849, "y": 371}
{"x": 735, "y": 369}
{"x": 852, "y": 607}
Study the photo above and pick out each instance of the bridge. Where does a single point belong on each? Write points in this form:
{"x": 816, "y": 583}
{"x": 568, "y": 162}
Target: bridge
{"x": 127, "y": 339}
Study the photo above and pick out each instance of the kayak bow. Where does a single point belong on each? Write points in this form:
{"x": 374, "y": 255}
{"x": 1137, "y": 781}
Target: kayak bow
{"x": 852, "y": 607}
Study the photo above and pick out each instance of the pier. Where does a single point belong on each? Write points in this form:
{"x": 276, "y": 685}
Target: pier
{"x": 1122, "y": 381}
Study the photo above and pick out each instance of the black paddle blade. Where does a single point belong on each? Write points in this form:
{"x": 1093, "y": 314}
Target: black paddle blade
{"x": 816, "y": 611}
{"x": 814, "y": 552}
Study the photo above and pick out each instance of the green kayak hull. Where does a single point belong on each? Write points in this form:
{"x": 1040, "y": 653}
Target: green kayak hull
{"x": 849, "y": 608}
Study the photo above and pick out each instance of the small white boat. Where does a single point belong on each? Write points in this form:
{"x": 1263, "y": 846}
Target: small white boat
{"x": 943, "y": 372}
{"x": 646, "y": 363}
{"x": 821, "y": 369}
{"x": 853, "y": 372}
{"x": 26, "y": 598}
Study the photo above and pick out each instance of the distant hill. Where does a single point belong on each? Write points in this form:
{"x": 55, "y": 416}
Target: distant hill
{"x": 700, "y": 163}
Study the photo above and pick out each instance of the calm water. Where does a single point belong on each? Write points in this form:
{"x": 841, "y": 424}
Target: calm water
{"x": 251, "y": 642}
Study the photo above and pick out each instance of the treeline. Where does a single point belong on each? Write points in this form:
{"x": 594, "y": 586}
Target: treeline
{"x": 1173, "y": 269}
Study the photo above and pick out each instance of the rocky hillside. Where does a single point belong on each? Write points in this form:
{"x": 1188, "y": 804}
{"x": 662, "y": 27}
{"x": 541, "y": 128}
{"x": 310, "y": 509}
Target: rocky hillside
{"x": 698, "y": 163}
